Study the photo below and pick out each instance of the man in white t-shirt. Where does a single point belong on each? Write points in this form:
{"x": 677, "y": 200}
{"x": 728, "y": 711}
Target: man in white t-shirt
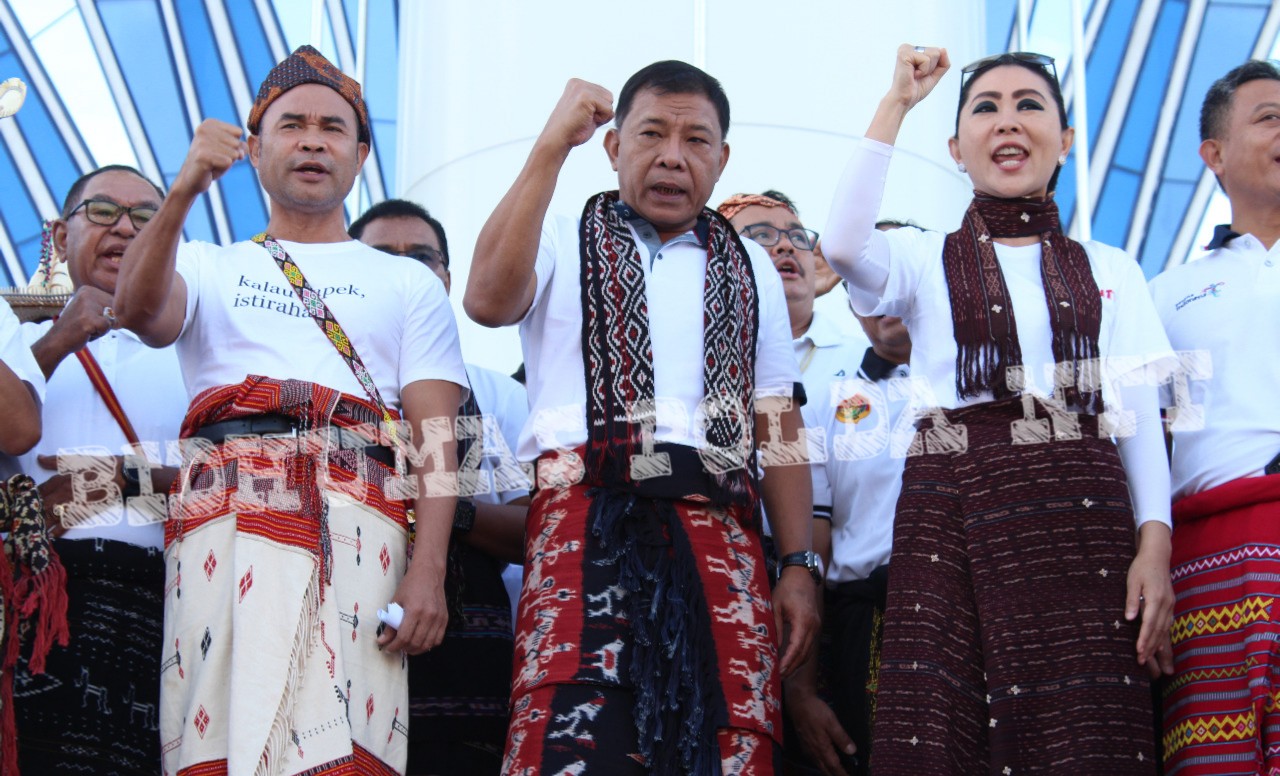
{"x": 458, "y": 692}
{"x": 288, "y": 529}
{"x": 1222, "y": 313}
{"x": 108, "y": 396}
{"x": 645, "y": 635}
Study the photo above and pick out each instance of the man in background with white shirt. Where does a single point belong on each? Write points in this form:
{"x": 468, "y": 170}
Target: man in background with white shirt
{"x": 112, "y": 405}
{"x": 1222, "y": 314}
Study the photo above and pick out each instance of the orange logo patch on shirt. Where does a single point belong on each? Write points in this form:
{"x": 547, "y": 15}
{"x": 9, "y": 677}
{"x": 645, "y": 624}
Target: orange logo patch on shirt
{"x": 853, "y": 409}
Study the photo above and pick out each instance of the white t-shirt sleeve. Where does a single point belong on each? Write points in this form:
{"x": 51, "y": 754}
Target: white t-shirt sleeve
{"x": 514, "y": 413}
{"x": 429, "y": 349}
{"x": 190, "y": 258}
{"x": 883, "y": 268}
{"x": 15, "y": 352}
{"x": 555, "y": 229}
{"x": 1139, "y": 349}
{"x": 776, "y": 369}
{"x": 912, "y": 252}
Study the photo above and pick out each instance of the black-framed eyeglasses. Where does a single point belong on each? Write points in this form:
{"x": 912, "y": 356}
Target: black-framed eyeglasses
{"x": 768, "y": 235}
{"x": 429, "y": 256}
{"x": 1029, "y": 57}
{"x": 104, "y": 212}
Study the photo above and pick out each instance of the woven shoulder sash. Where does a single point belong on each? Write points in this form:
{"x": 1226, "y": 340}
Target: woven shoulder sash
{"x": 315, "y": 306}
{"x": 618, "y": 353}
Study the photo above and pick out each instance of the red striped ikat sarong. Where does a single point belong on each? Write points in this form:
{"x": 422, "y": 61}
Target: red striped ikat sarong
{"x": 1220, "y": 706}
{"x": 278, "y": 555}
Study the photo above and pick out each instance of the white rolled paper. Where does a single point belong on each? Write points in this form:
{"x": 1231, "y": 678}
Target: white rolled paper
{"x": 393, "y": 615}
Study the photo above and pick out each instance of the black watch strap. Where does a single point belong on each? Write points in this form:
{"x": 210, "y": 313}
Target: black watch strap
{"x": 806, "y": 558}
{"x": 132, "y": 487}
{"x": 464, "y": 517}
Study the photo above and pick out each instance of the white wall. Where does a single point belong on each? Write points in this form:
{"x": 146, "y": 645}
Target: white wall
{"x": 479, "y": 78}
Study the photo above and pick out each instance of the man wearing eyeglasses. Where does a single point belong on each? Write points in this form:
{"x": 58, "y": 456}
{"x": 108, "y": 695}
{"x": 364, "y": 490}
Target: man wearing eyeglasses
{"x": 106, "y": 391}
{"x": 846, "y": 382}
{"x": 458, "y": 691}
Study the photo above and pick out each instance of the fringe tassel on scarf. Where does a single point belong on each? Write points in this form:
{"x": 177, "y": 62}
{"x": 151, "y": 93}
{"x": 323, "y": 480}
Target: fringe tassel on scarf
{"x": 33, "y": 597}
{"x": 982, "y": 312}
{"x": 673, "y": 662}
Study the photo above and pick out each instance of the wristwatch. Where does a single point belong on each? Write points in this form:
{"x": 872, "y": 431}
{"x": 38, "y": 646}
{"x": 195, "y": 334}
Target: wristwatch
{"x": 132, "y": 486}
{"x": 807, "y": 558}
{"x": 464, "y": 517}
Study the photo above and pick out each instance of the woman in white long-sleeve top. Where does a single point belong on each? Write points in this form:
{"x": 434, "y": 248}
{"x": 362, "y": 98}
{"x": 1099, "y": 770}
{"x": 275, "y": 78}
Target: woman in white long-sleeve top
{"x": 1019, "y": 597}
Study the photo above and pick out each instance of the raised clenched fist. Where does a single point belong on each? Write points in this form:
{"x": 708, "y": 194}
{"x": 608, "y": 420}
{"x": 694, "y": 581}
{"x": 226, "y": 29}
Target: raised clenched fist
{"x": 582, "y": 109}
{"x": 918, "y": 69}
{"x": 215, "y": 147}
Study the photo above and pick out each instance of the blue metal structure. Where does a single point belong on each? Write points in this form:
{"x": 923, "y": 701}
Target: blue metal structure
{"x": 163, "y": 65}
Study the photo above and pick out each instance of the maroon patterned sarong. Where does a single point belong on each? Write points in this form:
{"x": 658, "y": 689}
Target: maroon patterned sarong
{"x": 1005, "y": 645}
{"x": 1220, "y": 706}
{"x": 575, "y": 646}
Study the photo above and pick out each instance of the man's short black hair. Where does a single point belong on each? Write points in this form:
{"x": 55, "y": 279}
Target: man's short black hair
{"x": 778, "y": 196}
{"x": 77, "y": 189}
{"x": 671, "y": 76}
{"x": 400, "y": 208}
{"x": 1217, "y": 102}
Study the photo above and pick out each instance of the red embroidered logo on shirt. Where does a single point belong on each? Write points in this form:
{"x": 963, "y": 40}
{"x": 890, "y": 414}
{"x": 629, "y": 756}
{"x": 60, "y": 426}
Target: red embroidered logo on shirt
{"x": 853, "y": 409}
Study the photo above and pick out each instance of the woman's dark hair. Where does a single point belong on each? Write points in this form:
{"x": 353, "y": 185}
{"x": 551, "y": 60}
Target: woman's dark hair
{"x": 1018, "y": 59}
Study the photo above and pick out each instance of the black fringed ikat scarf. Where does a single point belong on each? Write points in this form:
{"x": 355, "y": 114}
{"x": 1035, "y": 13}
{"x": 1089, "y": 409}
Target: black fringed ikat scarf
{"x": 679, "y": 702}
{"x": 618, "y": 354}
{"x": 985, "y": 331}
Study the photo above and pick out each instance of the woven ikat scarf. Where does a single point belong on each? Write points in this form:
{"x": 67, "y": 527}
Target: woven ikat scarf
{"x": 618, "y": 353}
{"x": 982, "y": 315}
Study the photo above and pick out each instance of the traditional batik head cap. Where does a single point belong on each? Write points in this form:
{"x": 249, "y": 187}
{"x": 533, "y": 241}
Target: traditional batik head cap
{"x": 308, "y": 66}
{"x": 739, "y": 202}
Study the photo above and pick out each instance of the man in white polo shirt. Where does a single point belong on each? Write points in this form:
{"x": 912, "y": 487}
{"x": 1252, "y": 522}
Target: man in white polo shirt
{"x": 108, "y": 394}
{"x": 824, "y": 350}
{"x": 651, "y": 333}
{"x": 1222, "y": 313}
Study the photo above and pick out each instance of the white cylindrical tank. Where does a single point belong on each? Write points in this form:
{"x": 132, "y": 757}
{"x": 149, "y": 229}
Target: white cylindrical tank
{"x": 479, "y": 79}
